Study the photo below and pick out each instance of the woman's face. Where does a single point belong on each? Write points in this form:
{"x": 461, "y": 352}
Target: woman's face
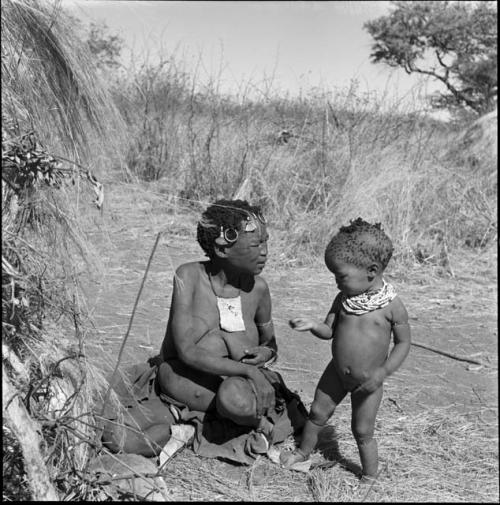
{"x": 249, "y": 253}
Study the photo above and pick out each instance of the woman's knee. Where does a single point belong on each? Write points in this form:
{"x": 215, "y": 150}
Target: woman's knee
{"x": 235, "y": 399}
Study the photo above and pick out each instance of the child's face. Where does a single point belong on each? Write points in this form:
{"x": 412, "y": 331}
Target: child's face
{"x": 249, "y": 253}
{"x": 351, "y": 279}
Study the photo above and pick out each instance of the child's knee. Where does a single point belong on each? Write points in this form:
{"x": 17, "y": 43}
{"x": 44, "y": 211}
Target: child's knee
{"x": 363, "y": 432}
{"x": 319, "y": 415}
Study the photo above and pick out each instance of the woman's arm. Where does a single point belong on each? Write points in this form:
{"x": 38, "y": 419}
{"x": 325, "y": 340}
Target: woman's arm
{"x": 267, "y": 350}
{"x": 188, "y": 326}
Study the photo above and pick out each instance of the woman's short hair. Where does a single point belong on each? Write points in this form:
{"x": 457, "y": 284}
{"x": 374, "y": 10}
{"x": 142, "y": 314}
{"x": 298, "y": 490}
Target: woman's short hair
{"x": 225, "y": 214}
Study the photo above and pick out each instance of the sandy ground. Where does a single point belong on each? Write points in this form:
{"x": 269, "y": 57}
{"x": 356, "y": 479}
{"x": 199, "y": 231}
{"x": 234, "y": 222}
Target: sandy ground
{"x": 458, "y": 315}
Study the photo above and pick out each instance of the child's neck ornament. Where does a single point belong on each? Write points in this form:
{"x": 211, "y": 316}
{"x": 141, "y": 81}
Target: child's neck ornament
{"x": 370, "y": 300}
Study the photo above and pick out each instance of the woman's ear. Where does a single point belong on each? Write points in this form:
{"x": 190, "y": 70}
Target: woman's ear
{"x": 220, "y": 250}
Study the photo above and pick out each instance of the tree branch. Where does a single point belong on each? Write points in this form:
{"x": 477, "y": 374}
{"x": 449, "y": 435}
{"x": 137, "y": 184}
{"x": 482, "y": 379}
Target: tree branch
{"x": 456, "y": 93}
{"x": 27, "y": 432}
{"x": 441, "y": 62}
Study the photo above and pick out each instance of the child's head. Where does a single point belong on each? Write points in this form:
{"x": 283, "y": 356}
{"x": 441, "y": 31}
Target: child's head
{"x": 361, "y": 244}
{"x": 223, "y": 221}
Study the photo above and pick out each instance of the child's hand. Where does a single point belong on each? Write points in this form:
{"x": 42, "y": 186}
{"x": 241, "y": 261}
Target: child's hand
{"x": 372, "y": 383}
{"x": 302, "y": 324}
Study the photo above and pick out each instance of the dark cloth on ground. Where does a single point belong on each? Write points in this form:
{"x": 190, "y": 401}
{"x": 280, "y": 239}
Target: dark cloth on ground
{"x": 215, "y": 437}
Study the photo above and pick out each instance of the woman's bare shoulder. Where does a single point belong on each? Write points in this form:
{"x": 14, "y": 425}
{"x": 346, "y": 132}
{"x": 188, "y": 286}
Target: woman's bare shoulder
{"x": 261, "y": 284}
{"x": 191, "y": 271}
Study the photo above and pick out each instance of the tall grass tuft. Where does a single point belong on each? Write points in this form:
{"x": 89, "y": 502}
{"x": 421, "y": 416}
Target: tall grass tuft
{"x": 49, "y": 83}
{"x": 54, "y": 110}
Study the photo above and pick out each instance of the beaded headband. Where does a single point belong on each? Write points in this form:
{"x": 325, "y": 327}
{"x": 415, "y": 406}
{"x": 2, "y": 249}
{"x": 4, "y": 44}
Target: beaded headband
{"x": 230, "y": 235}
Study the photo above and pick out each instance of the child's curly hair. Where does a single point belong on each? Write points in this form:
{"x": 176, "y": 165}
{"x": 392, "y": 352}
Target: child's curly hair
{"x": 360, "y": 243}
{"x": 225, "y": 213}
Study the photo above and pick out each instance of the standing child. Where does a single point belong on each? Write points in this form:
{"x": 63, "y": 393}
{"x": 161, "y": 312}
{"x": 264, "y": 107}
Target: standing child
{"x": 360, "y": 322}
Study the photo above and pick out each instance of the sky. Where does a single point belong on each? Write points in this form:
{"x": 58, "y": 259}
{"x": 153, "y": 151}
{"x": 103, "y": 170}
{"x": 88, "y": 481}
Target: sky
{"x": 294, "y": 45}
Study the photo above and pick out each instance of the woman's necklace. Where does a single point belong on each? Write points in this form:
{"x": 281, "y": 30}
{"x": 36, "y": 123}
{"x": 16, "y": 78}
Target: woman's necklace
{"x": 211, "y": 278}
{"x": 230, "y": 312}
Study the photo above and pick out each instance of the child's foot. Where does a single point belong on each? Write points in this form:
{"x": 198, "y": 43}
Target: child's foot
{"x": 289, "y": 458}
{"x": 265, "y": 427}
{"x": 367, "y": 479}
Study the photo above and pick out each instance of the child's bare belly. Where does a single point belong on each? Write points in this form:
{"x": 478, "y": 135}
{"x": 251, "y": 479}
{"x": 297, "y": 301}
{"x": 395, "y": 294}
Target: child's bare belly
{"x": 356, "y": 354}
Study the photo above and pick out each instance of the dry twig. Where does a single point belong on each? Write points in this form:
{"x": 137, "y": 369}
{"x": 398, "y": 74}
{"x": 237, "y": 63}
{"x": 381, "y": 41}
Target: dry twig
{"x": 451, "y": 355}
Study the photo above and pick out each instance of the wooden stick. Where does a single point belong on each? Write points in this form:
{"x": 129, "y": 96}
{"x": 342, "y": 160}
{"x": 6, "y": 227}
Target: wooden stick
{"x": 451, "y": 355}
{"x": 111, "y": 382}
{"x": 15, "y": 362}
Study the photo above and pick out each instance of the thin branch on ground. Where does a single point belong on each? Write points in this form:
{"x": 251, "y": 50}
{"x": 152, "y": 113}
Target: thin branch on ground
{"x": 451, "y": 355}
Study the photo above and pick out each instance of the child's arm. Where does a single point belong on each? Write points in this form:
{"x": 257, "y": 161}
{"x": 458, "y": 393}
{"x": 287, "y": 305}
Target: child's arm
{"x": 320, "y": 330}
{"x": 402, "y": 338}
{"x": 402, "y": 342}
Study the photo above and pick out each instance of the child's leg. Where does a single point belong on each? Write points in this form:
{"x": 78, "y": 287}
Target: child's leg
{"x": 329, "y": 393}
{"x": 364, "y": 412}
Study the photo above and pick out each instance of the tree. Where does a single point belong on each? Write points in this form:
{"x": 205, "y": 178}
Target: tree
{"x": 453, "y": 42}
{"x": 105, "y": 47}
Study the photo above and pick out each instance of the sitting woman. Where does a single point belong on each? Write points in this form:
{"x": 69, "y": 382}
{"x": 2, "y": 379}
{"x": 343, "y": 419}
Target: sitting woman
{"x": 219, "y": 339}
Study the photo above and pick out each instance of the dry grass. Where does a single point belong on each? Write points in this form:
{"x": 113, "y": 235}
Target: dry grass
{"x": 48, "y": 78}
{"x": 350, "y": 154}
{"x": 437, "y": 426}
{"x": 49, "y": 88}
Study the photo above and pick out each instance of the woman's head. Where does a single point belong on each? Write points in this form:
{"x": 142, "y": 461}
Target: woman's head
{"x": 234, "y": 230}
{"x": 360, "y": 244}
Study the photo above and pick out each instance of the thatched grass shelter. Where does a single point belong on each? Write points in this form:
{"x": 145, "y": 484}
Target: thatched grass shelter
{"x": 54, "y": 110}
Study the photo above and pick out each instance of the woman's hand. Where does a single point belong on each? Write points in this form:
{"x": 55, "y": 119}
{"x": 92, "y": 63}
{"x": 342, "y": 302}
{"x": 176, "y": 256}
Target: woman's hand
{"x": 257, "y": 355}
{"x": 264, "y": 392}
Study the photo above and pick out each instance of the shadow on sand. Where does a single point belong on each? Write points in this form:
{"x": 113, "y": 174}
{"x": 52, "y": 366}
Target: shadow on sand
{"x": 328, "y": 447}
